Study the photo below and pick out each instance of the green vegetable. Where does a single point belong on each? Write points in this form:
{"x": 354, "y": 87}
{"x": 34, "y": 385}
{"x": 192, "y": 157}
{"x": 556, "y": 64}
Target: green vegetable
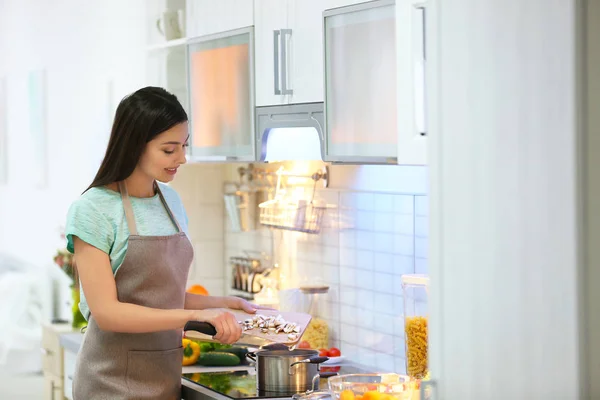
{"x": 206, "y": 347}
{"x": 218, "y": 359}
{"x": 237, "y": 350}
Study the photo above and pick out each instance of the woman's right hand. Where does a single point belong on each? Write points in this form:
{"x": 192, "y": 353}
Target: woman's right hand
{"x": 228, "y": 329}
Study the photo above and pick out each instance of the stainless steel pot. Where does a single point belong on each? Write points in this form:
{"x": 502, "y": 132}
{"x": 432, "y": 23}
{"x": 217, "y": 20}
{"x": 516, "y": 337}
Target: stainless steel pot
{"x": 286, "y": 371}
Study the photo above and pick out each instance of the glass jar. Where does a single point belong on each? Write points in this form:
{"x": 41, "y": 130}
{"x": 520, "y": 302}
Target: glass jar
{"x": 317, "y": 331}
{"x": 415, "y": 290}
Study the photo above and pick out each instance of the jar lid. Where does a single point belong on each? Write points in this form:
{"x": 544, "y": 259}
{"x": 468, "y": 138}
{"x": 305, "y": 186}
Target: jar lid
{"x": 318, "y": 395}
{"x": 314, "y": 289}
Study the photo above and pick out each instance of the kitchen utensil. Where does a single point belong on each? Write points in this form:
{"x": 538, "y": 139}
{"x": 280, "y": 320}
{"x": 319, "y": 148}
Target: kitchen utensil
{"x": 287, "y": 371}
{"x": 254, "y": 338}
{"x": 398, "y": 386}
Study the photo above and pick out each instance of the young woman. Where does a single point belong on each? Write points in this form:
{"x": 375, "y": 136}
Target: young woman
{"x": 129, "y": 237}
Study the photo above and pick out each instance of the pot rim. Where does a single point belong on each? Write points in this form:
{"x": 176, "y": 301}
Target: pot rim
{"x": 287, "y": 353}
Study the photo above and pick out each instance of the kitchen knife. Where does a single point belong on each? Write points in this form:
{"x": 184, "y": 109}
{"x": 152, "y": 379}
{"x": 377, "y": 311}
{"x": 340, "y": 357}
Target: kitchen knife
{"x": 209, "y": 330}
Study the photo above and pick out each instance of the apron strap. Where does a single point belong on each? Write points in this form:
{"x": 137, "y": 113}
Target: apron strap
{"x": 162, "y": 198}
{"x": 128, "y": 209}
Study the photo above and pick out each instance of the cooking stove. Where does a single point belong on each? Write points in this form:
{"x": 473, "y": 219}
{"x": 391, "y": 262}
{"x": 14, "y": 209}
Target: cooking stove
{"x": 236, "y": 385}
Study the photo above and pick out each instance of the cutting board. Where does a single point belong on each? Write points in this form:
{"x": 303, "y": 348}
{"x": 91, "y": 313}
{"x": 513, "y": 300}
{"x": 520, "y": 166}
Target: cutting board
{"x": 254, "y": 337}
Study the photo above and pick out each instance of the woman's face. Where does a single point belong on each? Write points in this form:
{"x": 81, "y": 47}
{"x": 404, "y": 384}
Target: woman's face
{"x": 165, "y": 153}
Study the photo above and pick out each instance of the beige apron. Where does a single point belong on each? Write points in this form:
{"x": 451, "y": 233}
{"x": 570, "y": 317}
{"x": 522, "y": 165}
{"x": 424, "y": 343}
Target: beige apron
{"x": 115, "y": 366}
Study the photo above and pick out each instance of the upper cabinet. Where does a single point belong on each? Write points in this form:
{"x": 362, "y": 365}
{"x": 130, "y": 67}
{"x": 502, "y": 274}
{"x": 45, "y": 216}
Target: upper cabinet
{"x": 374, "y": 83}
{"x": 221, "y": 96}
{"x": 206, "y": 17}
{"x": 289, "y": 50}
{"x": 360, "y": 77}
{"x": 273, "y": 41}
{"x": 365, "y": 60}
{"x": 413, "y": 89}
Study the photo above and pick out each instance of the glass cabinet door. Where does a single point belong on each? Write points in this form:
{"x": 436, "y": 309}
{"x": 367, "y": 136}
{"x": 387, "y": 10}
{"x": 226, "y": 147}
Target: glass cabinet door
{"x": 221, "y": 96}
{"x": 360, "y": 82}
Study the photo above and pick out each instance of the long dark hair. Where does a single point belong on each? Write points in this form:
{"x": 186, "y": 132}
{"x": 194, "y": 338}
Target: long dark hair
{"x": 140, "y": 117}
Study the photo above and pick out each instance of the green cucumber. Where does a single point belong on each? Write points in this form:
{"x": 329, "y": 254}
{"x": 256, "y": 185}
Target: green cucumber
{"x": 218, "y": 359}
{"x": 237, "y": 350}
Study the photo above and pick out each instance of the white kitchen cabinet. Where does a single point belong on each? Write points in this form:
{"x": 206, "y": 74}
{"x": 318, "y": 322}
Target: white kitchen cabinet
{"x": 306, "y": 70}
{"x": 221, "y": 96}
{"x": 289, "y": 50}
{"x": 53, "y": 360}
{"x": 70, "y": 360}
{"x": 412, "y": 88}
{"x": 53, "y": 387}
{"x": 207, "y": 17}
{"x": 273, "y": 38}
{"x": 360, "y": 83}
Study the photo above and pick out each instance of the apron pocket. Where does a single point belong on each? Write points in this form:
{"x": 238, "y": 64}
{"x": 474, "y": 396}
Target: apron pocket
{"x": 155, "y": 374}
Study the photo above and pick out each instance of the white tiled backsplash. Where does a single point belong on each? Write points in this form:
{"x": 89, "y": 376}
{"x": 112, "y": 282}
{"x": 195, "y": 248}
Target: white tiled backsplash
{"x": 362, "y": 263}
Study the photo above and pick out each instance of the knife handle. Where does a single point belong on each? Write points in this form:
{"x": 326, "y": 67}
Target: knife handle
{"x": 202, "y": 327}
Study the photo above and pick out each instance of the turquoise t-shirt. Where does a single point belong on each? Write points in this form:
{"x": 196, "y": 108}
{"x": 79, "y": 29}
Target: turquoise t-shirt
{"x": 98, "y": 218}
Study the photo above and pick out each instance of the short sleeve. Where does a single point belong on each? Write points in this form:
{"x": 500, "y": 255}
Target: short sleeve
{"x": 89, "y": 225}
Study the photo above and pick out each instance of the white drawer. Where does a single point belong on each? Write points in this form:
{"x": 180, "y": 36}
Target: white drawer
{"x": 69, "y": 365}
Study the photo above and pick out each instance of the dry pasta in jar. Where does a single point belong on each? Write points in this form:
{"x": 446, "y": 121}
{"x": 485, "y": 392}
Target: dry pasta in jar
{"x": 317, "y": 334}
{"x": 416, "y": 346}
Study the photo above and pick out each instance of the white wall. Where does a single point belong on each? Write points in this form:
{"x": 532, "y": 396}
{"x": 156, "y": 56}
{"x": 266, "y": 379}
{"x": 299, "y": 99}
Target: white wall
{"x": 93, "y": 53}
{"x": 386, "y": 207}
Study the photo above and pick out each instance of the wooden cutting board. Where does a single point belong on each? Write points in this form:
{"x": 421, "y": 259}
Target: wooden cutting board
{"x": 257, "y": 338}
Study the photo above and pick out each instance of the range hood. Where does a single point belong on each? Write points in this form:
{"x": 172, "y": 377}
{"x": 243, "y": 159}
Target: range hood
{"x": 290, "y": 133}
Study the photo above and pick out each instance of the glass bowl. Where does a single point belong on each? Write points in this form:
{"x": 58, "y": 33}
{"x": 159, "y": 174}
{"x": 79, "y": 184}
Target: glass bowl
{"x": 373, "y": 387}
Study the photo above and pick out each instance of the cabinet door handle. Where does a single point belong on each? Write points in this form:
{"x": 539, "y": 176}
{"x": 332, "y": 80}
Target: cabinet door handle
{"x": 284, "y": 53}
{"x": 419, "y": 62}
{"x": 276, "y": 41}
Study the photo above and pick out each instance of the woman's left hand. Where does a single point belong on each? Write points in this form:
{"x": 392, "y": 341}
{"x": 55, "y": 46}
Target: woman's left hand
{"x": 237, "y": 303}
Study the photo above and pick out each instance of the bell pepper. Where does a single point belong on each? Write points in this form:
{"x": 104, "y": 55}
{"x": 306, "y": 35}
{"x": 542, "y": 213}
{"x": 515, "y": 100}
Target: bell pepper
{"x": 191, "y": 352}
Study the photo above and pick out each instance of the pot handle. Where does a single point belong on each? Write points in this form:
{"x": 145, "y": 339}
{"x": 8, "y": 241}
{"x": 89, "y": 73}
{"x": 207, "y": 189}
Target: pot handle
{"x": 326, "y": 375}
{"x": 251, "y": 356}
{"x": 312, "y": 360}
{"x": 316, "y": 360}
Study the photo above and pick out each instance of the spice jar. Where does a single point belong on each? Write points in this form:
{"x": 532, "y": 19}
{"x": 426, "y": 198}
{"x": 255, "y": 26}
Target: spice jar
{"x": 415, "y": 289}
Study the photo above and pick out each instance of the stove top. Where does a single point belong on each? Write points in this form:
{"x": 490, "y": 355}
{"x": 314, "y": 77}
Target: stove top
{"x": 242, "y": 384}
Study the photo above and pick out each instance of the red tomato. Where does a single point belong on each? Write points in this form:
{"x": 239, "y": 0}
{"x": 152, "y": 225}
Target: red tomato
{"x": 330, "y": 369}
{"x": 323, "y": 353}
{"x": 334, "y": 352}
{"x": 304, "y": 345}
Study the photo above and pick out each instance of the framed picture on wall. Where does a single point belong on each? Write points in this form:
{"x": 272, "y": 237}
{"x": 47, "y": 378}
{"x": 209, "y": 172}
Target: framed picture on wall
{"x": 3, "y": 130}
{"x": 38, "y": 131}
